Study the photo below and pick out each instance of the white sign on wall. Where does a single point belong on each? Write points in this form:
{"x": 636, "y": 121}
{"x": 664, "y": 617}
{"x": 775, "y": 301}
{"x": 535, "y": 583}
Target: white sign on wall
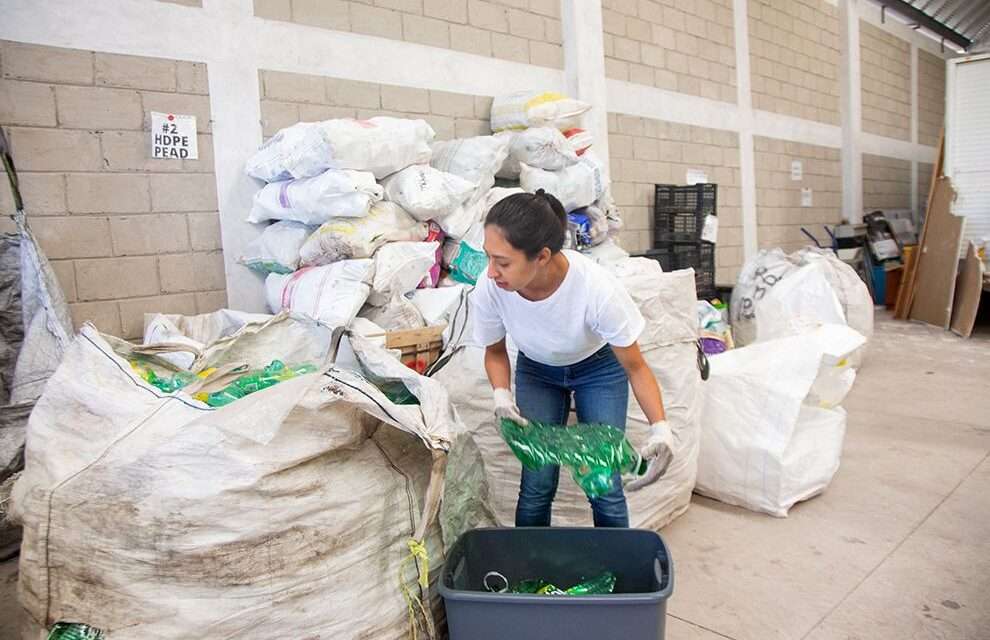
{"x": 797, "y": 170}
{"x": 696, "y": 176}
{"x": 173, "y": 136}
{"x": 806, "y": 197}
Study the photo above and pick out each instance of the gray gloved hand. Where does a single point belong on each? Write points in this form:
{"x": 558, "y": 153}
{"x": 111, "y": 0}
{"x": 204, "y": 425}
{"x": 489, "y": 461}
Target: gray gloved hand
{"x": 505, "y": 407}
{"x": 659, "y": 451}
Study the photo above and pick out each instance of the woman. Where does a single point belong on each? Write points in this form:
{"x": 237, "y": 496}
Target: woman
{"x": 576, "y": 329}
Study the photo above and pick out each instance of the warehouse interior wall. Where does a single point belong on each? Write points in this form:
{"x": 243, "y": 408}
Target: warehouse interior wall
{"x": 739, "y": 90}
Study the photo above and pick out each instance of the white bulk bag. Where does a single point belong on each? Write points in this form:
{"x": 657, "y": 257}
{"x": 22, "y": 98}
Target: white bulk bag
{"x": 769, "y": 269}
{"x": 525, "y": 109}
{"x": 670, "y": 349}
{"x": 768, "y": 442}
{"x": 276, "y": 250}
{"x": 345, "y": 238}
{"x": 576, "y": 186}
{"x": 540, "y": 147}
{"x": 332, "y": 294}
{"x": 381, "y": 145}
{"x": 475, "y": 159}
{"x": 427, "y": 193}
{"x": 399, "y": 268}
{"x": 153, "y": 515}
{"x": 332, "y": 194}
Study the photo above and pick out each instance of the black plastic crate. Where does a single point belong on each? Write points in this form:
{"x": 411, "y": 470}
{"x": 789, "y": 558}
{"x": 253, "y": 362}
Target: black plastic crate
{"x": 637, "y": 608}
{"x": 699, "y": 256}
{"x": 679, "y": 212}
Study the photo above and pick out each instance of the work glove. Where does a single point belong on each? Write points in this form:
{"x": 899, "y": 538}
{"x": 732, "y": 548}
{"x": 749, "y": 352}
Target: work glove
{"x": 506, "y": 409}
{"x": 659, "y": 452}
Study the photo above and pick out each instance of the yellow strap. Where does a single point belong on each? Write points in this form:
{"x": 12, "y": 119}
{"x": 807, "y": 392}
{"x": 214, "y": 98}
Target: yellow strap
{"x": 417, "y": 551}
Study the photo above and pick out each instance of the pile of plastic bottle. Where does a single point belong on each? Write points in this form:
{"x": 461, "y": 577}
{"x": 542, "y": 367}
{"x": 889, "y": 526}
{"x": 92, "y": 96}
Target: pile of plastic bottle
{"x": 252, "y": 381}
{"x": 599, "y": 585}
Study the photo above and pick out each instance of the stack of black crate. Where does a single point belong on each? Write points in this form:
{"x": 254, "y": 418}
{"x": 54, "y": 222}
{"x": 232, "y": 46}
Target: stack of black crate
{"x": 679, "y": 216}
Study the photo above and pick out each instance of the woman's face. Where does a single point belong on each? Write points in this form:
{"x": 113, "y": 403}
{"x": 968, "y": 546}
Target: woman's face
{"x": 509, "y": 267}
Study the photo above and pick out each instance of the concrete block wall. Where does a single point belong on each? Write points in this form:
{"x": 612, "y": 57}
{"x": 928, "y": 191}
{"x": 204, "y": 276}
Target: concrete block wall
{"x": 931, "y": 97}
{"x": 688, "y": 47}
{"x": 126, "y": 234}
{"x": 885, "y": 63}
{"x": 288, "y": 98}
{"x": 794, "y": 58}
{"x": 780, "y": 215}
{"x": 644, "y": 152}
{"x": 886, "y": 183}
{"x": 520, "y": 30}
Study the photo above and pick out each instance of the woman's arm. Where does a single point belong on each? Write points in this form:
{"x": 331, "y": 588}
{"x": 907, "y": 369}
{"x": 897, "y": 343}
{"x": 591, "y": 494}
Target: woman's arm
{"x": 497, "y": 365}
{"x": 641, "y": 378}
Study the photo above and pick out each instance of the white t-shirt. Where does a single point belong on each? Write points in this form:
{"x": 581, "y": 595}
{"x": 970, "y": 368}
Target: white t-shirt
{"x": 588, "y": 310}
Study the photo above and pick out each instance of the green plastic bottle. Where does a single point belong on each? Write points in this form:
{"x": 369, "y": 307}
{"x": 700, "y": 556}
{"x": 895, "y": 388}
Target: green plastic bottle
{"x": 605, "y": 583}
{"x": 74, "y": 631}
{"x": 592, "y": 452}
{"x": 253, "y": 381}
{"x": 164, "y": 384}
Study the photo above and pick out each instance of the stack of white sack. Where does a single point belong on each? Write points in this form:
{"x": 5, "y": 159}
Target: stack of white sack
{"x": 549, "y": 152}
{"x": 350, "y": 205}
{"x": 362, "y": 214}
{"x": 669, "y": 344}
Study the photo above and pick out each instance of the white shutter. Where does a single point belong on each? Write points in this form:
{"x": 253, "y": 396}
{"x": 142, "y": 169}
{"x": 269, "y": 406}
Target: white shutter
{"x": 968, "y": 145}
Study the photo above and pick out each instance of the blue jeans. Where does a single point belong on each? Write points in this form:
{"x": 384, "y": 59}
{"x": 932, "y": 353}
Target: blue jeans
{"x": 543, "y": 393}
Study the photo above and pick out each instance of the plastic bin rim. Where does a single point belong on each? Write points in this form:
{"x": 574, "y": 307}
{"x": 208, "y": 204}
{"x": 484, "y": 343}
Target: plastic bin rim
{"x": 616, "y": 599}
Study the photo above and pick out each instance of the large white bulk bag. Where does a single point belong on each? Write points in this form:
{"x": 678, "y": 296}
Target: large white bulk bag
{"x": 772, "y": 429}
{"x": 669, "y": 346}
{"x": 759, "y": 309}
{"x": 287, "y": 513}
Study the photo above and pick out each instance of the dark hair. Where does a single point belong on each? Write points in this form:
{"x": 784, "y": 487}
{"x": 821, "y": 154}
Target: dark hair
{"x": 530, "y": 221}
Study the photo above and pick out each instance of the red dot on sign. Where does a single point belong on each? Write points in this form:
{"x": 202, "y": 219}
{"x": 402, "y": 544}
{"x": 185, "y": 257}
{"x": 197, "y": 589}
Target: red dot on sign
{"x": 171, "y": 117}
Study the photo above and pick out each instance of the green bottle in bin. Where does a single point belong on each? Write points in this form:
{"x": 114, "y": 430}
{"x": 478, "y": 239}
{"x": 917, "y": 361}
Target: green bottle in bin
{"x": 74, "y": 631}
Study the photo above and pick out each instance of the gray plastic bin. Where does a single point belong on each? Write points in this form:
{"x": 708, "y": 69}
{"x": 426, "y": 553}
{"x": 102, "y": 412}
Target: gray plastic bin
{"x": 564, "y": 556}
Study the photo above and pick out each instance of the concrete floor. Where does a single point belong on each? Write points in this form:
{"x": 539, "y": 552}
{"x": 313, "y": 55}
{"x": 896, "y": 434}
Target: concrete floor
{"x": 897, "y": 548}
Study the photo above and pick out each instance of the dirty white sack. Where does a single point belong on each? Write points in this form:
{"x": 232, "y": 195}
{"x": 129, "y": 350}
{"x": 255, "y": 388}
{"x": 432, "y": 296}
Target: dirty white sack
{"x": 155, "y": 516}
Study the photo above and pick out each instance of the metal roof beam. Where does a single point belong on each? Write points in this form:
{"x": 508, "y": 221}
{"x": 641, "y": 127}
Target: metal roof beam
{"x": 923, "y": 19}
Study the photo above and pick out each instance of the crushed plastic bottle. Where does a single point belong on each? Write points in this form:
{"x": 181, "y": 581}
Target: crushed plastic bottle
{"x": 74, "y": 631}
{"x": 253, "y": 381}
{"x": 599, "y": 585}
{"x": 592, "y": 452}
{"x": 605, "y": 583}
{"x": 164, "y": 384}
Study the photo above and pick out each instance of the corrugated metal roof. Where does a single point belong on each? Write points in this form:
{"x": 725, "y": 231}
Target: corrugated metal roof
{"x": 968, "y": 18}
